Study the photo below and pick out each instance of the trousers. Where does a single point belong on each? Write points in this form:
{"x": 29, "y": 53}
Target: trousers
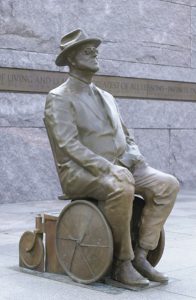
{"x": 159, "y": 191}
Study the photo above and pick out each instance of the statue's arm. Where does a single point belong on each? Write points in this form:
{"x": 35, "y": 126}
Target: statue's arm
{"x": 60, "y": 116}
{"x": 129, "y": 137}
{"x": 132, "y": 149}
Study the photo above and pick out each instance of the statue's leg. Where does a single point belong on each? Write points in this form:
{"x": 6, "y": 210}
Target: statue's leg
{"x": 117, "y": 209}
{"x": 116, "y": 202}
{"x": 115, "y": 196}
{"x": 159, "y": 191}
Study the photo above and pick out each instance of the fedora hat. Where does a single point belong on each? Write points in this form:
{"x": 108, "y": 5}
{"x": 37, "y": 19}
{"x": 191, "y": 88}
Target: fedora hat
{"x": 70, "y": 41}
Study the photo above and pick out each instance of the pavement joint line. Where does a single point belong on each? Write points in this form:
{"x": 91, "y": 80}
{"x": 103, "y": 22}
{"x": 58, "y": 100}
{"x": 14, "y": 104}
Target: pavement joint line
{"x": 182, "y": 269}
{"x": 8, "y": 255}
{"x": 179, "y": 294}
{"x": 179, "y": 233}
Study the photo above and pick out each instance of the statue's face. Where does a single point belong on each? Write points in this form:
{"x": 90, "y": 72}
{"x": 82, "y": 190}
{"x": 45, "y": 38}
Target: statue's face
{"x": 86, "y": 58}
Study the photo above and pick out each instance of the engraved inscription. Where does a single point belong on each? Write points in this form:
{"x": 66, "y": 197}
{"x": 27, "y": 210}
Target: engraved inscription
{"x": 29, "y": 80}
{"x": 150, "y": 89}
{"x": 123, "y": 87}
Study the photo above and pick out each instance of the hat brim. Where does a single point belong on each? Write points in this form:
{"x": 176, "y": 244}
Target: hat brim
{"x": 61, "y": 58}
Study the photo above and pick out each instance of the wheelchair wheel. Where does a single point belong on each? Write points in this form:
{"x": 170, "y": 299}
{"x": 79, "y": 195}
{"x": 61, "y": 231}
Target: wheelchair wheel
{"x": 31, "y": 250}
{"x": 155, "y": 255}
{"x": 84, "y": 242}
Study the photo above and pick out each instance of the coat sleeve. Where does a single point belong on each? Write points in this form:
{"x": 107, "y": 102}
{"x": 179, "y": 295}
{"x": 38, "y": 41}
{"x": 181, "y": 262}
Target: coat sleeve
{"x": 60, "y": 116}
{"x": 132, "y": 154}
{"x": 134, "y": 149}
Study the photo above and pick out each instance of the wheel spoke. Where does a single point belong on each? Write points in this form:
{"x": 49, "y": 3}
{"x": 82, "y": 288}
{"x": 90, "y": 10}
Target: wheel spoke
{"x": 92, "y": 245}
{"x": 72, "y": 258}
{"x": 67, "y": 239}
{"x": 87, "y": 263}
{"x": 87, "y": 225}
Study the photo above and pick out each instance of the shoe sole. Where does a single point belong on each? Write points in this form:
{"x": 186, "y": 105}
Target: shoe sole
{"x": 134, "y": 286}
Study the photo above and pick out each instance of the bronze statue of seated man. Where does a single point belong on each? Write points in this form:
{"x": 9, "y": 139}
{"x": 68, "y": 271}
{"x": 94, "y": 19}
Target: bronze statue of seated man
{"x": 98, "y": 158}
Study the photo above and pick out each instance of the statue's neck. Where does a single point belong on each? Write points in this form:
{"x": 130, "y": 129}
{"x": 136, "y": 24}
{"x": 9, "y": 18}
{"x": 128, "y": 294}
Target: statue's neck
{"x": 82, "y": 75}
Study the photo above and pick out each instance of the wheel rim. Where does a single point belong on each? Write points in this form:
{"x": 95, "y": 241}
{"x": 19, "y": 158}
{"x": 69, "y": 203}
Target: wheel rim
{"x": 84, "y": 242}
{"x": 31, "y": 250}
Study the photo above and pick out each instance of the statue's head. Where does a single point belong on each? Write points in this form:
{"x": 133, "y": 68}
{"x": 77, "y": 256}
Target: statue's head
{"x": 79, "y": 51}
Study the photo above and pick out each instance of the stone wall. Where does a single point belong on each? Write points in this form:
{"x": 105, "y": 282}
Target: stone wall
{"x": 144, "y": 39}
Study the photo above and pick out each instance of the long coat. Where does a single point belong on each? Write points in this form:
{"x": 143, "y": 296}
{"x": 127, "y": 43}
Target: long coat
{"x": 86, "y": 140}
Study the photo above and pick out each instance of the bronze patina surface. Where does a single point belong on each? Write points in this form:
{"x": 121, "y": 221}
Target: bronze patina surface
{"x": 42, "y": 256}
{"x": 31, "y": 251}
{"x": 154, "y": 255}
{"x": 97, "y": 158}
{"x": 52, "y": 264}
{"x": 84, "y": 242}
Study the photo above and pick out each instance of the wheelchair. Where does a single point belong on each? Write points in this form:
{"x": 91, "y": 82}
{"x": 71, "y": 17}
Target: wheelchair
{"x": 79, "y": 241}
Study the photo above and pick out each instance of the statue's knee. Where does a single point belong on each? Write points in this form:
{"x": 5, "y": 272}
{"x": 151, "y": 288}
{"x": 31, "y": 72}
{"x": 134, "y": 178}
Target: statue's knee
{"x": 113, "y": 184}
{"x": 128, "y": 185}
{"x": 126, "y": 194}
{"x": 173, "y": 184}
{"x": 131, "y": 179}
{"x": 125, "y": 197}
{"x": 121, "y": 192}
{"x": 126, "y": 190}
{"x": 129, "y": 189}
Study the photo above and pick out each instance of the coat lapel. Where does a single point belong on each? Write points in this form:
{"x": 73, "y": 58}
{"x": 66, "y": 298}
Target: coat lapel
{"x": 88, "y": 92}
{"x": 87, "y": 99}
{"x": 84, "y": 92}
{"x": 108, "y": 106}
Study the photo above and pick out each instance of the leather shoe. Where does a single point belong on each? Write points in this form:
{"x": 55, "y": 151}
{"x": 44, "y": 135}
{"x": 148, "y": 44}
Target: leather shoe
{"x": 124, "y": 272}
{"x": 143, "y": 266}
